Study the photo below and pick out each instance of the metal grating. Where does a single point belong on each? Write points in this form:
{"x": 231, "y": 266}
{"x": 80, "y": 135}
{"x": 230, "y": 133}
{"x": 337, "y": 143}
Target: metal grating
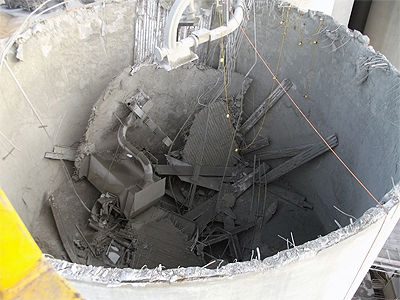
{"x": 211, "y": 123}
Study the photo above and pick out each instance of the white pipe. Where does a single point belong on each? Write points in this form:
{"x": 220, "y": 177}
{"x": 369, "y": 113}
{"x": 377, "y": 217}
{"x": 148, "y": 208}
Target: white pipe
{"x": 233, "y": 23}
{"x": 191, "y": 11}
{"x": 176, "y": 50}
{"x": 173, "y": 21}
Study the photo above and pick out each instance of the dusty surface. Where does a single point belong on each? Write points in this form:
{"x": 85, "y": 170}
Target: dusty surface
{"x": 353, "y": 92}
{"x": 282, "y": 276}
{"x": 288, "y": 220}
{"x": 67, "y": 62}
{"x": 45, "y": 231}
{"x": 363, "y": 111}
{"x": 175, "y": 98}
{"x": 195, "y": 118}
{"x": 46, "y": 236}
{"x": 209, "y": 141}
{"x": 322, "y": 180}
{"x": 71, "y": 83}
{"x": 8, "y": 24}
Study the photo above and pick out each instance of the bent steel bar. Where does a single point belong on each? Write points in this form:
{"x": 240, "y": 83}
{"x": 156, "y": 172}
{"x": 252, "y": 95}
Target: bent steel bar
{"x": 139, "y": 155}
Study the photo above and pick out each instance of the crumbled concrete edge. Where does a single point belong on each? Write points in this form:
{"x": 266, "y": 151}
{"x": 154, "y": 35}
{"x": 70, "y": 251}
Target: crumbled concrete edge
{"x": 45, "y": 23}
{"x": 339, "y": 35}
{"x": 117, "y": 277}
{"x": 86, "y": 147}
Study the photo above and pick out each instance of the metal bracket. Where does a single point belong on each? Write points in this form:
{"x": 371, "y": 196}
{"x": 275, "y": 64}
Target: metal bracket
{"x": 140, "y": 104}
{"x": 62, "y": 152}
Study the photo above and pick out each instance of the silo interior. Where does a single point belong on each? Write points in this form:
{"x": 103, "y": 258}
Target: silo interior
{"x": 177, "y": 167}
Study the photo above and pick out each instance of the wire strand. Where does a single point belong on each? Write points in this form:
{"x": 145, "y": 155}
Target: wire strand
{"x": 222, "y": 60}
{"x": 304, "y": 116}
{"x": 312, "y": 63}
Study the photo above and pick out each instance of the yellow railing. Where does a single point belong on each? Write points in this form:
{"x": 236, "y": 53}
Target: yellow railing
{"x": 24, "y": 271}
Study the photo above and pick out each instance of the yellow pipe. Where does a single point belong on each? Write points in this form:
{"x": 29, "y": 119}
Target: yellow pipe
{"x": 24, "y": 271}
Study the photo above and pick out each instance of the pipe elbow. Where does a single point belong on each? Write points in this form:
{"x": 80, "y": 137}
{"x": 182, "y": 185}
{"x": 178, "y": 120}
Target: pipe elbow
{"x": 237, "y": 18}
{"x": 136, "y": 153}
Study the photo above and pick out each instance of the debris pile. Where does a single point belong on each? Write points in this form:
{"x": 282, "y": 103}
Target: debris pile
{"x": 207, "y": 205}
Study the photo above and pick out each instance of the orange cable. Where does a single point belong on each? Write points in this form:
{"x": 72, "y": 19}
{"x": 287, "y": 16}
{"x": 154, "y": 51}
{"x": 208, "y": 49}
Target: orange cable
{"x": 301, "y": 112}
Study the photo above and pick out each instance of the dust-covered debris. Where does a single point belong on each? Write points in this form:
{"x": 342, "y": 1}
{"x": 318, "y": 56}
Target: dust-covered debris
{"x": 206, "y": 205}
{"x": 115, "y": 277}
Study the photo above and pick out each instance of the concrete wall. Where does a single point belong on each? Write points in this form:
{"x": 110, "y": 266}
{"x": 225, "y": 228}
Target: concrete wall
{"x": 382, "y": 27}
{"x": 71, "y": 58}
{"x": 363, "y": 114}
{"x": 67, "y": 62}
